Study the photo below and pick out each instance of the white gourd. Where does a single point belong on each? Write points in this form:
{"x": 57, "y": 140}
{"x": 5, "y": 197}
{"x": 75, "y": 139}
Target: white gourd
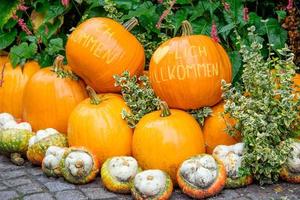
{"x": 123, "y": 168}
{"x": 150, "y": 182}
{"x": 200, "y": 171}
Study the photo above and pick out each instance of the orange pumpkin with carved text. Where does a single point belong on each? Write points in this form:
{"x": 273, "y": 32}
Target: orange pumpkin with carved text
{"x": 100, "y": 48}
{"x": 12, "y": 84}
{"x": 186, "y": 71}
{"x": 50, "y": 96}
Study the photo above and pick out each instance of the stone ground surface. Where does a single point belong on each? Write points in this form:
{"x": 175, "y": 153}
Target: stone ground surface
{"x": 29, "y": 183}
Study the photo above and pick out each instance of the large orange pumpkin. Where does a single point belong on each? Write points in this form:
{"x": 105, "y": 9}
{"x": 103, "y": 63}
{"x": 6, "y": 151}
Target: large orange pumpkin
{"x": 12, "y": 84}
{"x": 164, "y": 139}
{"x": 50, "y": 96}
{"x": 214, "y": 129}
{"x": 100, "y": 48}
{"x": 187, "y": 71}
{"x": 96, "y": 123}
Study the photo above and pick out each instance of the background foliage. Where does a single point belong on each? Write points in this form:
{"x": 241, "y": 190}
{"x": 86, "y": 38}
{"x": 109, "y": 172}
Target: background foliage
{"x": 39, "y": 29}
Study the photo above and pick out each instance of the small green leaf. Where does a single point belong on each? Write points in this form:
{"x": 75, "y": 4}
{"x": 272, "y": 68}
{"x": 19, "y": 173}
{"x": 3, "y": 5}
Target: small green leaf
{"x": 20, "y": 53}
{"x": 55, "y": 46}
{"x": 7, "y": 39}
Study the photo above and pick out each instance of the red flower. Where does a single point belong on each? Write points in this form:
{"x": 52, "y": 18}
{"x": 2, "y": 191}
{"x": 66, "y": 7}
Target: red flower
{"x": 165, "y": 14}
{"x": 290, "y": 4}
{"x": 24, "y": 27}
{"x": 226, "y": 6}
{"x": 214, "y": 32}
{"x": 160, "y": 1}
{"x": 65, "y": 2}
{"x": 245, "y": 14}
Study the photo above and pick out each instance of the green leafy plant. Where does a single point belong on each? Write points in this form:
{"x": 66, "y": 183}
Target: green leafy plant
{"x": 46, "y": 23}
{"x": 141, "y": 99}
{"x": 264, "y": 107}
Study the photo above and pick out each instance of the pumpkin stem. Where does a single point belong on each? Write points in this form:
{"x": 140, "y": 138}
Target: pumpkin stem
{"x": 94, "y": 99}
{"x": 58, "y": 63}
{"x": 130, "y": 24}
{"x": 186, "y": 28}
{"x": 58, "y": 68}
{"x": 16, "y": 159}
{"x": 165, "y": 111}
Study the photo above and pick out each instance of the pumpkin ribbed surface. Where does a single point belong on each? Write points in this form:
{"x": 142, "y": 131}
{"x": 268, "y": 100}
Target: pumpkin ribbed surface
{"x": 49, "y": 100}
{"x": 100, "y": 127}
{"x": 13, "y": 84}
{"x": 164, "y": 142}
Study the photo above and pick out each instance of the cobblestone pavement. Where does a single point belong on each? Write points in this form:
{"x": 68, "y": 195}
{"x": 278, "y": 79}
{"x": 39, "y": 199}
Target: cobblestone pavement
{"x": 29, "y": 183}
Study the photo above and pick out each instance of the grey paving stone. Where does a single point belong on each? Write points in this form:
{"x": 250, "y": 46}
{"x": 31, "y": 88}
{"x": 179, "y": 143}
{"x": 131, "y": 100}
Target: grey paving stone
{"x": 35, "y": 171}
{"x": 8, "y": 195}
{"x": 12, "y": 174}
{"x": 2, "y": 186}
{"x": 59, "y": 186}
{"x": 29, "y": 189}
{"x": 44, "y": 179}
{"x": 39, "y": 196}
{"x": 98, "y": 193}
{"x": 70, "y": 195}
{"x": 17, "y": 181}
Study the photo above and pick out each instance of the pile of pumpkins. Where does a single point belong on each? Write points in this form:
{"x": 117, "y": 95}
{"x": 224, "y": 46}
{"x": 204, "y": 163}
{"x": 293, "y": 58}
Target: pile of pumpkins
{"x": 58, "y": 120}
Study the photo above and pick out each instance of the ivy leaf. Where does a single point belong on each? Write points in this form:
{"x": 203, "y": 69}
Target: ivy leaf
{"x": 55, "y": 46}
{"x": 7, "y": 7}
{"x": 7, "y": 38}
{"x": 236, "y": 62}
{"x": 179, "y": 17}
{"x": 281, "y": 14}
{"x": 276, "y": 35}
{"x": 20, "y": 53}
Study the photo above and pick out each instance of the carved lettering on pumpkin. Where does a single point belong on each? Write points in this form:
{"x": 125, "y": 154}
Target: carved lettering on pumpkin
{"x": 181, "y": 72}
{"x": 189, "y": 71}
{"x": 171, "y": 72}
{"x": 94, "y": 46}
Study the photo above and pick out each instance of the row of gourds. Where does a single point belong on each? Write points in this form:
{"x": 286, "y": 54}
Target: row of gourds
{"x": 186, "y": 72}
{"x": 199, "y": 176}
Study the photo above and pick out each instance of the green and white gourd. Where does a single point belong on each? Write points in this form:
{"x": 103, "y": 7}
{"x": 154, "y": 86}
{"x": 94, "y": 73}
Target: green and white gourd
{"x": 14, "y": 138}
{"x": 50, "y": 164}
{"x": 78, "y": 165}
{"x": 118, "y": 172}
{"x": 232, "y": 156}
{"x": 43, "y": 139}
{"x": 152, "y": 184}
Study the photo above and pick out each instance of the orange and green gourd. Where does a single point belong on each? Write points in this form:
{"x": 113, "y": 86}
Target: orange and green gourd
{"x": 201, "y": 176}
{"x": 100, "y": 48}
{"x": 152, "y": 185}
{"x": 164, "y": 139}
{"x": 43, "y": 139}
{"x": 96, "y": 123}
{"x": 79, "y": 165}
{"x": 12, "y": 85}
{"x": 231, "y": 156}
{"x": 186, "y": 71}
{"x": 291, "y": 170}
{"x": 50, "y": 96}
{"x": 214, "y": 129}
{"x": 51, "y": 161}
{"x": 118, "y": 172}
